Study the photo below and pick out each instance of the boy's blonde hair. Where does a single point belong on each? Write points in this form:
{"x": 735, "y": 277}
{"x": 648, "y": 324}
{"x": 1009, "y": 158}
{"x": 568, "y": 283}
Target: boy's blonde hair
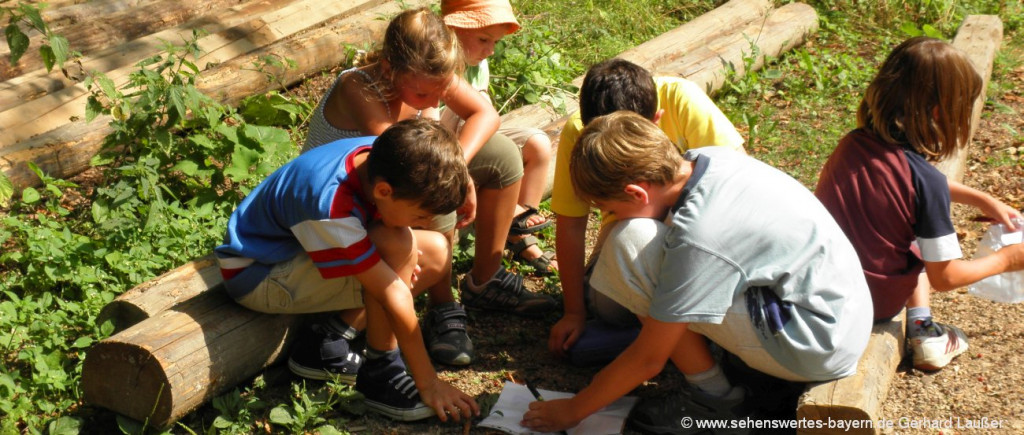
{"x": 619, "y": 149}
{"x": 922, "y": 97}
{"x": 417, "y": 42}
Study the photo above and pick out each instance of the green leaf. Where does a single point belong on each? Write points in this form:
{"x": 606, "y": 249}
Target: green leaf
{"x": 932, "y": 32}
{"x": 60, "y": 47}
{"x": 82, "y": 342}
{"x": 187, "y": 167}
{"x": 174, "y": 95}
{"x": 281, "y": 416}
{"x": 911, "y": 30}
{"x": 6, "y": 189}
{"x": 32, "y": 13}
{"x": 17, "y": 41}
{"x": 65, "y": 426}
{"x": 202, "y": 141}
{"x": 93, "y": 108}
{"x": 30, "y": 195}
{"x": 46, "y": 52}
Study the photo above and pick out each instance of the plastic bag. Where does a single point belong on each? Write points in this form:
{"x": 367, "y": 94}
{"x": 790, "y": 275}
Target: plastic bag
{"x": 1006, "y": 287}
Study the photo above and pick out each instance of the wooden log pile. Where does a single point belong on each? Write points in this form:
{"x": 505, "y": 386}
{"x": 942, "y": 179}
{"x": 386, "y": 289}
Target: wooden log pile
{"x": 181, "y": 341}
{"x": 860, "y": 397}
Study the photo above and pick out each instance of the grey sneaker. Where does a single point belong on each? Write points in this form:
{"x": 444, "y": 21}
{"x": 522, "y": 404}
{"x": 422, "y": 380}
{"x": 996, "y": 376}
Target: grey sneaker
{"x": 505, "y": 292}
{"x": 687, "y": 412}
{"x": 444, "y": 332}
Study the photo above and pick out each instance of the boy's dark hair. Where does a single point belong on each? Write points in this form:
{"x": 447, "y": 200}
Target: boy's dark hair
{"x": 923, "y": 97}
{"x": 617, "y": 84}
{"x": 423, "y": 163}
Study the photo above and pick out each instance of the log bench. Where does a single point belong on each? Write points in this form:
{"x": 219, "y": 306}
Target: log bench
{"x": 860, "y": 397}
{"x": 182, "y": 342}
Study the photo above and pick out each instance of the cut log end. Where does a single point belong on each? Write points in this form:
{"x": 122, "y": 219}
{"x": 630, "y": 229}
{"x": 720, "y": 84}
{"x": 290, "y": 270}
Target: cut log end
{"x": 126, "y": 377}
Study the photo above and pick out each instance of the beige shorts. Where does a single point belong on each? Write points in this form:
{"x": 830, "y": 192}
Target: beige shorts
{"x": 296, "y": 287}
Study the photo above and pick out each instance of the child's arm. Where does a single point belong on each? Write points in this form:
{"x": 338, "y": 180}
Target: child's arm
{"x": 570, "y": 248}
{"x": 992, "y": 207}
{"x": 482, "y": 121}
{"x": 389, "y": 293}
{"x": 354, "y": 97}
{"x": 642, "y": 360}
{"x": 953, "y": 274}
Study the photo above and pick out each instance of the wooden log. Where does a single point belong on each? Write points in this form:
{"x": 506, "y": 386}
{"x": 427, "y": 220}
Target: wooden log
{"x": 53, "y": 111}
{"x": 979, "y": 36}
{"x": 34, "y": 84}
{"x": 66, "y": 150}
{"x": 162, "y": 293}
{"x": 165, "y": 366}
{"x": 857, "y": 398}
{"x": 860, "y": 397}
{"x": 109, "y": 29}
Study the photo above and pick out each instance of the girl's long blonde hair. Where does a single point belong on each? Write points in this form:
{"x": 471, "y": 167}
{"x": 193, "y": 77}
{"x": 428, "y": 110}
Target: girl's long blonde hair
{"x": 416, "y": 42}
{"x": 923, "y": 97}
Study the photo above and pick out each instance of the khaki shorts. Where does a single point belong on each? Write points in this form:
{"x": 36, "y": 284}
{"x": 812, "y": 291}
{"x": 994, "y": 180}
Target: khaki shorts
{"x": 496, "y": 166}
{"x": 296, "y": 287}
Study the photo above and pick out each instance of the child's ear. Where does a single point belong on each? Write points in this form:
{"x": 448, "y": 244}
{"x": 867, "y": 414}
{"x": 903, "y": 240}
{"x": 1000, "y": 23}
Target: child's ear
{"x": 658, "y": 115}
{"x": 381, "y": 189}
{"x": 638, "y": 192}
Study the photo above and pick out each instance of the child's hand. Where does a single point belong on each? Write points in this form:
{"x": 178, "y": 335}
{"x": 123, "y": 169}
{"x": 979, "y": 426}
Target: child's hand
{"x": 550, "y": 416}
{"x": 467, "y": 213}
{"x": 1002, "y": 213}
{"x": 448, "y": 401}
{"x": 564, "y": 334}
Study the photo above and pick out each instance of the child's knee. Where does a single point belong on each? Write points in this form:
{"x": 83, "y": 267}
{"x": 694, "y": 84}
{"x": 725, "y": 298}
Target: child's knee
{"x": 537, "y": 148}
{"x": 395, "y": 245}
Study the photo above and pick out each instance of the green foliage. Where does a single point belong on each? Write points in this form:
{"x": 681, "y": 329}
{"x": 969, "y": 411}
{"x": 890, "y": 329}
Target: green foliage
{"x": 527, "y": 71}
{"x": 55, "y": 49}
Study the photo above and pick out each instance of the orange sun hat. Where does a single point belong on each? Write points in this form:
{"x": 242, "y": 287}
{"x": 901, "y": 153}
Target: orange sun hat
{"x": 477, "y": 14}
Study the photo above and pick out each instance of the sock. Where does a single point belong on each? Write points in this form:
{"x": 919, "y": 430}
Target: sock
{"x": 372, "y": 354}
{"x": 711, "y": 381}
{"x": 339, "y": 326}
{"x": 477, "y": 288}
{"x": 919, "y": 323}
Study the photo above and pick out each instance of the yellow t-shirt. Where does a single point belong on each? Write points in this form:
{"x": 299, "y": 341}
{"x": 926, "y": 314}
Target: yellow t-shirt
{"x": 690, "y": 120}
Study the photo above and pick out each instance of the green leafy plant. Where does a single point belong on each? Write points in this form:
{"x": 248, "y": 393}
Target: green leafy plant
{"x": 54, "y": 50}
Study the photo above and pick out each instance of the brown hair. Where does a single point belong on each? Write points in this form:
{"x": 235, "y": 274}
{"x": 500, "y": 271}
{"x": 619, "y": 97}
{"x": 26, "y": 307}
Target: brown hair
{"x": 417, "y": 42}
{"x": 922, "y": 97}
{"x": 423, "y": 163}
{"x": 620, "y": 149}
{"x": 617, "y": 84}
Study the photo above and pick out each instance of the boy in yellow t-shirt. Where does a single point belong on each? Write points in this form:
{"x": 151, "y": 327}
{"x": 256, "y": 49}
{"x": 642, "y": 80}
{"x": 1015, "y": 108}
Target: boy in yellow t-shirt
{"x": 685, "y": 114}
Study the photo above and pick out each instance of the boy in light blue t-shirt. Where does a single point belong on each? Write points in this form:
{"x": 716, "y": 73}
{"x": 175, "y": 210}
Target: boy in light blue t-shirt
{"x": 712, "y": 245}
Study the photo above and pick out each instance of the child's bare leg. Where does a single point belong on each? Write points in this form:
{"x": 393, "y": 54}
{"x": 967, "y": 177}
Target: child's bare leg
{"x": 495, "y": 209}
{"x": 397, "y": 247}
{"x": 536, "y": 159}
{"x": 692, "y": 356}
{"x": 439, "y": 290}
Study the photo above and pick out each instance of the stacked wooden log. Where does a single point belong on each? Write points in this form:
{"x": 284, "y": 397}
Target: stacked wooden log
{"x": 41, "y": 114}
{"x": 183, "y": 342}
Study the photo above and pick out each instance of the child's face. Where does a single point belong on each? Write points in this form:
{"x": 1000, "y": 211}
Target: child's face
{"x": 478, "y": 44}
{"x": 421, "y": 92}
{"x": 402, "y": 213}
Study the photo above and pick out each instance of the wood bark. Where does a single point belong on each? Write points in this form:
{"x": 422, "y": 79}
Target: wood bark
{"x": 980, "y": 37}
{"x": 162, "y": 293}
{"x": 38, "y": 83}
{"x": 858, "y": 397}
{"x": 103, "y": 30}
{"x": 66, "y": 149}
{"x": 165, "y": 366}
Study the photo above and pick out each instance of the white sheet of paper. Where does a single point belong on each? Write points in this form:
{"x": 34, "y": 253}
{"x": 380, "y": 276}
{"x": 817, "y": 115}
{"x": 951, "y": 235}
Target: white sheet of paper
{"x": 515, "y": 399}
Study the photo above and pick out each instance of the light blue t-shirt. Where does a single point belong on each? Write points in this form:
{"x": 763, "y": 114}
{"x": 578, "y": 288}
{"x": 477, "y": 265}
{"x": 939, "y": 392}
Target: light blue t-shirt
{"x": 740, "y": 225}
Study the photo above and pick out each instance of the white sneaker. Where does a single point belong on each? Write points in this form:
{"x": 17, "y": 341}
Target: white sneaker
{"x": 934, "y": 353}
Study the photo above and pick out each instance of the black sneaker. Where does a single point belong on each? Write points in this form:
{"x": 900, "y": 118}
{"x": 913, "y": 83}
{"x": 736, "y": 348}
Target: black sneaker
{"x": 388, "y": 389}
{"x": 322, "y": 354}
{"x": 444, "y": 332}
{"x": 681, "y": 413}
{"x": 505, "y": 292}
